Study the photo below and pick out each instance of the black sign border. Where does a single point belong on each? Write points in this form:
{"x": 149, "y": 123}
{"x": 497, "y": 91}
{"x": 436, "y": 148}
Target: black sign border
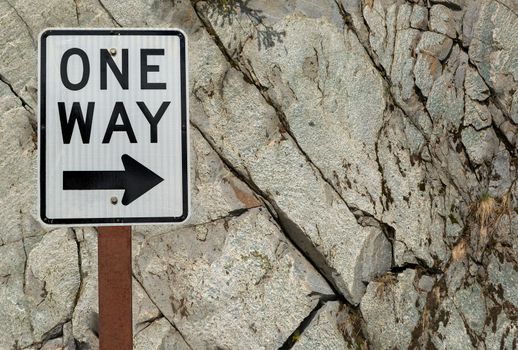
{"x": 42, "y": 126}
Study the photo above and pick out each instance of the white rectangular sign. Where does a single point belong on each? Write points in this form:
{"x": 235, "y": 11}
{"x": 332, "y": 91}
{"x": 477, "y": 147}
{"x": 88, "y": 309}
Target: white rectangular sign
{"x": 113, "y": 121}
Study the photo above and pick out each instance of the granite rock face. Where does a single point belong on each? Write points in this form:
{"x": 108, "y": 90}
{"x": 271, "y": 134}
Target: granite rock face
{"x": 354, "y": 181}
{"x": 333, "y": 327}
{"x": 229, "y": 281}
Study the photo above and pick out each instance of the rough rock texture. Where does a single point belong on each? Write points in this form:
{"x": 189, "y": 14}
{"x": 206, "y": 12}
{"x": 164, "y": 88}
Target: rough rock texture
{"x": 326, "y": 331}
{"x": 354, "y": 167}
{"x": 227, "y": 281}
{"x": 159, "y": 335}
{"x": 397, "y": 300}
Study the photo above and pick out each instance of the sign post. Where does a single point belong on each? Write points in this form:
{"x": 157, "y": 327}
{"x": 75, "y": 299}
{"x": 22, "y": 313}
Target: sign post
{"x": 115, "y": 314}
{"x": 113, "y": 146}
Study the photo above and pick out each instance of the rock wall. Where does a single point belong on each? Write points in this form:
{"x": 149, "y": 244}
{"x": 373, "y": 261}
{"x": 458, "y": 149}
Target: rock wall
{"x": 354, "y": 168}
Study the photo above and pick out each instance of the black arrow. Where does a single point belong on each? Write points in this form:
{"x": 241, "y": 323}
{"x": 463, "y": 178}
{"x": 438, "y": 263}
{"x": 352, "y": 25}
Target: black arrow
{"x": 135, "y": 180}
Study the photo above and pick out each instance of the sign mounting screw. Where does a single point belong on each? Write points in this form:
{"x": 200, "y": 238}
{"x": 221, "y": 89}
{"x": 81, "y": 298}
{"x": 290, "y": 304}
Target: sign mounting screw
{"x": 113, "y": 200}
{"x": 113, "y": 51}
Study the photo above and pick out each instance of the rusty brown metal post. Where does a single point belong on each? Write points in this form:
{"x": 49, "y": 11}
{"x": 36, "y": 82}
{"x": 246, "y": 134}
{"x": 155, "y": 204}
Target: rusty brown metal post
{"x": 115, "y": 312}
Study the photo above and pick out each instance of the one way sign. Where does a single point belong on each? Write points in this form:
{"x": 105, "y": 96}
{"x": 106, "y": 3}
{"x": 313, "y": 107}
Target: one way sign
{"x": 113, "y": 141}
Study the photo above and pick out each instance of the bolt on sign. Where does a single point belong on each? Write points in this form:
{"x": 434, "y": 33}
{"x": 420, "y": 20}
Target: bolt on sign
{"x": 113, "y": 141}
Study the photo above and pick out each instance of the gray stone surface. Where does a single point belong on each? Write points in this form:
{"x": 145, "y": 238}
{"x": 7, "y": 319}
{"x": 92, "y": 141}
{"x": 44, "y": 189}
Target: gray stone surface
{"x": 14, "y": 312}
{"x": 159, "y": 335}
{"x": 85, "y": 318}
{"x": 286, "y": 135}
{"x": 38, "y": 289}
{"x": 324, "y": 332}
{"x": 361, "y": 151}
{"x": 442, "y": 20}
{"x": 494, "y": 48}
{"x": 17, "y": 198}
{"x": 481, "y": 146}
{"x": 475, "y": 86}
{"x": 248, "y": 280}
{"x": 52, "y": 280}
{"x": 393, "y": 300}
